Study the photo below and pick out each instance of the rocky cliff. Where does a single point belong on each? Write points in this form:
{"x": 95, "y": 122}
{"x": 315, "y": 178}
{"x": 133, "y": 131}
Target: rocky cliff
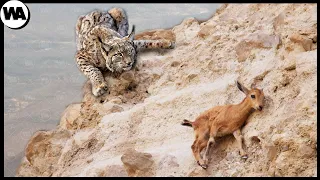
{"x": 135, "y": 130}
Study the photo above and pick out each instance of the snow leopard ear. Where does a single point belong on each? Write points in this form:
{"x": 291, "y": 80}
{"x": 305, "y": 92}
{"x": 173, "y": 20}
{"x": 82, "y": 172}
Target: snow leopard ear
{"x": 131, "y": 35}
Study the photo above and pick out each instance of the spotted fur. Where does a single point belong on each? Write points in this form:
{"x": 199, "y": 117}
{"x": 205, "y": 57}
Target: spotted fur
{"x": 103, "y": 44}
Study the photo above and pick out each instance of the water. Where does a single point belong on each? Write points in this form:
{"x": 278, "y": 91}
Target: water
{"x": 40, "y": 74}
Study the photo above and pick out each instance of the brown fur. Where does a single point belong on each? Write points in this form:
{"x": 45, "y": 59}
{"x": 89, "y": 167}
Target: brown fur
{"x": 223, "y": 120}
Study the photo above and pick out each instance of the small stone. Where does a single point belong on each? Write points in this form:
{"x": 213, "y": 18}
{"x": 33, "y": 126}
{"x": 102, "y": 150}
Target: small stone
{"x": 191, "y": 76}
{"x": 305, "y": 151}
{"x": 110, "y": 107}
{"x": 271, "y": 151}
{"x": 285, "y": 148}
{"x": 116, "y": 101}
{"x": 302, "y": 40}
{"x": 175, "y": 63}
{"x": 278, "y": 21}
{"x": 137, "y": 163}
{"x": 90, "y": 160}
{"x": 129, "y": 76}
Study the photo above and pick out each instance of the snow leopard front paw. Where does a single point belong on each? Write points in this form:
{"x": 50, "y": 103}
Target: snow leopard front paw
{"x": 99, "y": 89}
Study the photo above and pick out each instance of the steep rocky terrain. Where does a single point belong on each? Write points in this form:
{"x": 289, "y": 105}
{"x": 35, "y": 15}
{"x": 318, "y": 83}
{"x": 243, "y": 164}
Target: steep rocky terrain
{"x": 135, "y": 130}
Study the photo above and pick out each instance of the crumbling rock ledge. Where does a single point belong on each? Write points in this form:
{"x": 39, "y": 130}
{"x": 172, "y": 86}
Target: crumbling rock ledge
{"x": 135, "y": 130}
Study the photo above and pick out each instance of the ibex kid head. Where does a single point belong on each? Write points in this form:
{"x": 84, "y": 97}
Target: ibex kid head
{"x": 254, "y": 95}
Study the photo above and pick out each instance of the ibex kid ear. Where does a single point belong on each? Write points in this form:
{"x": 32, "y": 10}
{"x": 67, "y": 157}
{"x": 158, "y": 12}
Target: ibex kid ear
{"x": 242, "y": 88}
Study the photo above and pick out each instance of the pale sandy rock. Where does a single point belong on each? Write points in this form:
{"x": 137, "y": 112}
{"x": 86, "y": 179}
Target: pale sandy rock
{"x": 306, "y": 62}
{"x": 186, "y": 31}
{"x": 167, "y": 166}
{"x": 108, "y": 171}
{"x": 44, "y": 144}
{"x": 257, "y": 40}
{"x": 271, "y": 151}
{"x": 81, "y": 137}
{"x": 278, "y": 21}
{"x": 305, "y": 42}
{"x": 192, "y": 75}
{"x": 115, "y": 171}
{"x": 221, "y": 9}
{"x": 119, "y": 85}
{"x": 137, "y": 163}
{"x": 111, "y": 107}
{"x": 256, "y": 175}
{"x": 305, "y": 151}
{"x": 252, "y": 137}
{"x": 70, "y": 114}
{"x": 198, "y": 172}
{"x": 206, "y": 30}
{"x": 168, "y": 161}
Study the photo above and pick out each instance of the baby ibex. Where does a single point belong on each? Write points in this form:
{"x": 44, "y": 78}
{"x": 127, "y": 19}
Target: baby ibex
{"x": 223, "y": 120}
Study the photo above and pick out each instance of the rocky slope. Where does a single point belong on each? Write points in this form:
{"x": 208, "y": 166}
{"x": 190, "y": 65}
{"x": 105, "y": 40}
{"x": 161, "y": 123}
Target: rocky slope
{"x": 135, "y": 130}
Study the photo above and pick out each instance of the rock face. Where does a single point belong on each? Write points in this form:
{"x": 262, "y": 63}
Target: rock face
{"x": 255, "y": 41}
{"x": 137, "y": 163}
{"x": 135, "y": 130}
